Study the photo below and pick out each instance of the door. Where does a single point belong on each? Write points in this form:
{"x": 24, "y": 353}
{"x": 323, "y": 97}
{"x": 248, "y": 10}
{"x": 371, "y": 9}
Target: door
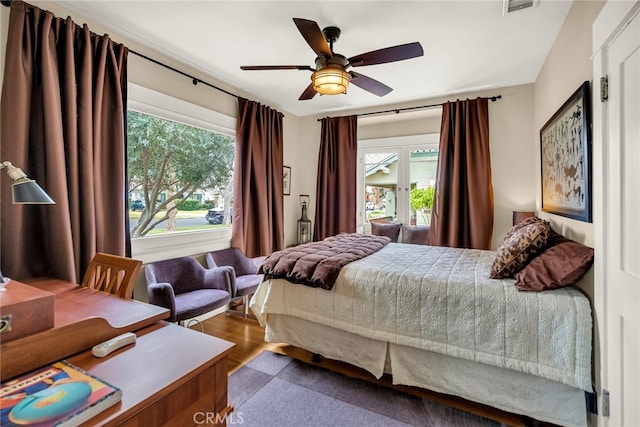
{"x": 621, "y": 240}
{"x": 396, "y": 178}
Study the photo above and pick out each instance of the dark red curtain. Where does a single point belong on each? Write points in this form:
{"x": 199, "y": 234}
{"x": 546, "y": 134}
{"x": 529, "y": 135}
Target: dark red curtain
{"x": 63, "y": 123}
{"x": 258, "y": 216}
{"x": 336, "y": 186}
{"x": 463, "y": 206}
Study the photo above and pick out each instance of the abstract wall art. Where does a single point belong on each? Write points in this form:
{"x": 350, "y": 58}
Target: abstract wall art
{"x": 565, "y": 153}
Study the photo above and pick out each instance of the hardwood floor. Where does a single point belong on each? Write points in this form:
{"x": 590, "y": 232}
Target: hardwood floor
{"x": 248, "y": 336}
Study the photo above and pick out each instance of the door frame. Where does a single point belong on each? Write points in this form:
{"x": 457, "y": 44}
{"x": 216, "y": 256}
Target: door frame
{"x": 608, "y": 25}
{"x": 395, "y": 144}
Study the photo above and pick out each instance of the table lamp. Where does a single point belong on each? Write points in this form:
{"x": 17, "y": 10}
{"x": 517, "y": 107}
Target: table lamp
{"x": 519, "y": 216}
{"x": 24, "y": 191}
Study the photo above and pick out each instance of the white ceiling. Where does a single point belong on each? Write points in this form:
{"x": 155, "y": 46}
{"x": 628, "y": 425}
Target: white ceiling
{"x": 468, "y": 45}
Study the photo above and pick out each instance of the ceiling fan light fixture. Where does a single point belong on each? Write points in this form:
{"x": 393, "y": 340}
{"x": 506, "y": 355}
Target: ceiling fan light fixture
{"x": 331, "y": 80}
{"x": 330, "y": 76}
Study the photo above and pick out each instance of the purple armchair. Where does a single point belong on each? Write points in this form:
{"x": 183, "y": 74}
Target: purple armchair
{"x": 246, "y": 279}
{"x": 186, "y": 288}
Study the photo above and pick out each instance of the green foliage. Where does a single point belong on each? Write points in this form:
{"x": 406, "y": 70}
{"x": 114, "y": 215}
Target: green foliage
{"x": 175, "y": 159}
{"x": 422, "y": 198}
{"x": 188, "y": 205}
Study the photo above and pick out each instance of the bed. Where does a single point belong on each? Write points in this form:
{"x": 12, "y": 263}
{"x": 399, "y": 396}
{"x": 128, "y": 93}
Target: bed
{"x": 432, "y": 318}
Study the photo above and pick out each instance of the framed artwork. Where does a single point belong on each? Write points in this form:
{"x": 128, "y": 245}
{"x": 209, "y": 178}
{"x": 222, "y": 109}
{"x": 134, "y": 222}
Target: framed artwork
{"x": 286, "y": 180}
{"x": 565, "y": 154}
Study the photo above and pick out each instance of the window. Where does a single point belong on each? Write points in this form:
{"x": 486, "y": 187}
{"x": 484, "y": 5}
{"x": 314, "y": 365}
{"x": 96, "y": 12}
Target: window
{"x": 397, "y": 179}
{"x": 180, "y": 162}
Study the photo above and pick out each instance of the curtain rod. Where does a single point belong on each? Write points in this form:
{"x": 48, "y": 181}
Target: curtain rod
{"x": 398, "y": 110}
{"x": 194, "y": 80}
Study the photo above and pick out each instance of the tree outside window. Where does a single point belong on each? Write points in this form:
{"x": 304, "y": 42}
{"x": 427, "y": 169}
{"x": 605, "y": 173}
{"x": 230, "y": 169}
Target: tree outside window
{"x": 421, "y": 200}
{"x": 169, "y": 162}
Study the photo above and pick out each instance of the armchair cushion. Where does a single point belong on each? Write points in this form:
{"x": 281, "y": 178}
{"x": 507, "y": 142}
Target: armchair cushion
{"x": 195, "y": 303}
{"x": 236, "y": 259}
{"x": 246, "y": 269}
{"x": 186, "y": 288}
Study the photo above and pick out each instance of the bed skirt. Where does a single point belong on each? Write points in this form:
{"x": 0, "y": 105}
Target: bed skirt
{"x": 505, "y": 389}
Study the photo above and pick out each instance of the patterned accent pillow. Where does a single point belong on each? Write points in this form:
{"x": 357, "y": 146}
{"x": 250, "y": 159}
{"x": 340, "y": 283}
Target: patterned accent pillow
{"x": 392, "y": 231}
{"x": 519, "y": 246}
{"x": 513, "y": 230}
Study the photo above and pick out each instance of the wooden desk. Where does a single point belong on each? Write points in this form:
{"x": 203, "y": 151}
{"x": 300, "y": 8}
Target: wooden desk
{"x": 76, "y": 303}
{"x": 171, "y": 376}
{"x": 82, "y": 318}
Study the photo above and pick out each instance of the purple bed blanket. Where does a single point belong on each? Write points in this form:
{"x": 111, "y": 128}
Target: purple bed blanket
{"x": 318, "y": 264}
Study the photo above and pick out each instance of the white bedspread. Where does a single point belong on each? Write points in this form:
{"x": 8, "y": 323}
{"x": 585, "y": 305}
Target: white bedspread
{"x": 442, "y": 300}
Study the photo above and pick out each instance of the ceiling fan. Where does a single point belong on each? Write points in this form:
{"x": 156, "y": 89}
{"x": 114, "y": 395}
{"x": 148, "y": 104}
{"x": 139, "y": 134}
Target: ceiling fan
{"x": 331, "y": 75}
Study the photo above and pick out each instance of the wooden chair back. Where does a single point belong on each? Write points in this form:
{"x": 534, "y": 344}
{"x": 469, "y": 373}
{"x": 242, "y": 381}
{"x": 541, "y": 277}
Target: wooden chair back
{"x": 113, "y": 274}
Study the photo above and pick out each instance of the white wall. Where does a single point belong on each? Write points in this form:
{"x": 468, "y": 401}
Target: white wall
{"x": 301, "y": 154}
{"x": 567, "y": 66}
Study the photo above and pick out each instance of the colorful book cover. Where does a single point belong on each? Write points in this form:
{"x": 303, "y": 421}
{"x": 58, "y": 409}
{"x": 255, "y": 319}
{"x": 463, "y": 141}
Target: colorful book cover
{"x": 58, "y": 395}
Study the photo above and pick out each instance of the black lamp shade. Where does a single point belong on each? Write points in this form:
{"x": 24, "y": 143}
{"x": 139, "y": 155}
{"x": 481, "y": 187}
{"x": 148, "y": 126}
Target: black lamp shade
{"x": 28, "y": 192}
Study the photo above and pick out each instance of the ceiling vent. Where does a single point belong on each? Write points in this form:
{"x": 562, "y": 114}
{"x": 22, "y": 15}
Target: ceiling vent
{"x": 509, "y": 6}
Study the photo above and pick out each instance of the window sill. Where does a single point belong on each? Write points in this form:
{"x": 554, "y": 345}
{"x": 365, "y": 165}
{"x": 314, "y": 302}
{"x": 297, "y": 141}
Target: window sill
{"x": 173, "y": 245}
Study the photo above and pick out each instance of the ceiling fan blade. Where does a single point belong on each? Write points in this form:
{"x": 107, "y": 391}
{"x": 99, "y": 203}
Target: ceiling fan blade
{"x": 275, "y": 67}
{"x": 389, "y": 54}
{"x": 369, "y": 84}
{"x": 308, "y": 93}
{"x": 313, "y": 35}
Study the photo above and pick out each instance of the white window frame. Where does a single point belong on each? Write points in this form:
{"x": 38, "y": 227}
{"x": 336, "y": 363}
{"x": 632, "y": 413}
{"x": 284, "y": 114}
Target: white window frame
{"x": 194, "y": 242}
{"x": 403, "y": 145}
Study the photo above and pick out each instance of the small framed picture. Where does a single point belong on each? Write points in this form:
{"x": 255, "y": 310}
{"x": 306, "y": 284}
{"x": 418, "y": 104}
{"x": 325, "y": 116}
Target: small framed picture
{"x": 565, "y": 151}
{"x": 286, "y": 180}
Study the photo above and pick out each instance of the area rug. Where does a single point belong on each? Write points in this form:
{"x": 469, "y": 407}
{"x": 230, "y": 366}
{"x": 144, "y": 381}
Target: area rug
{"x": 276, "y": 390}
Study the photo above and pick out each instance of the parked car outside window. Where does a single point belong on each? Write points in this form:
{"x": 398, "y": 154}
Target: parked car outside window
{"x": 137, "y": 205}
{"x": 214, "y": 216}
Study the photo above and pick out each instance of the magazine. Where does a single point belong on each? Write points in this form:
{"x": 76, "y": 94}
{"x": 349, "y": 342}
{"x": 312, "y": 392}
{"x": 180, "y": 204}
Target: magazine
{"x": 60, "y": 394}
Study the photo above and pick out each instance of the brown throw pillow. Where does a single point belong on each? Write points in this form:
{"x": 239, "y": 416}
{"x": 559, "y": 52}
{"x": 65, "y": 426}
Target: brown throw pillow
{"x": 558, "y": 266}
{"x": 520, "y": 245}
{"x": 416, "y": 234}
{"x": 392, "y": 231}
